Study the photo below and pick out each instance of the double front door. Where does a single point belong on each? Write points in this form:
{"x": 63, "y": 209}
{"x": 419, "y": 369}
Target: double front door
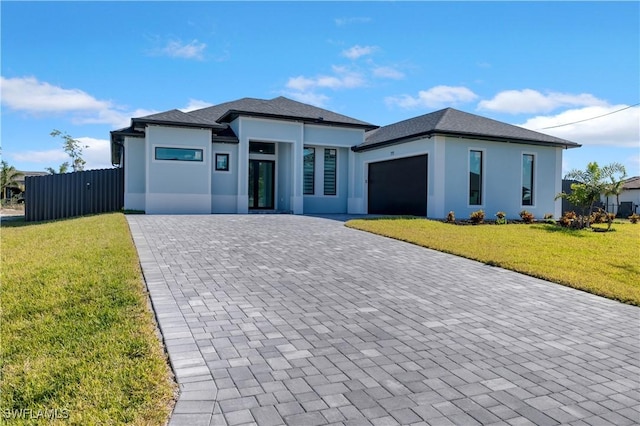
{"x": 261, "y": 184}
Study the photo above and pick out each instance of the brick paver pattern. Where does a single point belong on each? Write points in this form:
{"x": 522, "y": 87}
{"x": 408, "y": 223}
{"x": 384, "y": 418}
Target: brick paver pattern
{"x": 298, "y": 320}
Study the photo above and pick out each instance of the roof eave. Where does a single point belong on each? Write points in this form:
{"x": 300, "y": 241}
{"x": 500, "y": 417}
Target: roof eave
{"x": 144, "y": 121}
{"x": 565, "y": 145}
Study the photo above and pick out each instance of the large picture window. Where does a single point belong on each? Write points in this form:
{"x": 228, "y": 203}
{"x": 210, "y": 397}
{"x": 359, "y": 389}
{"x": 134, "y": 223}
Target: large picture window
{"x": 178, "y": 154}
{"x": 527, "y": 179}
{"x": 330, "y": 163}
{"x": 309, "y": 165}
{"x": 475, "y": 178}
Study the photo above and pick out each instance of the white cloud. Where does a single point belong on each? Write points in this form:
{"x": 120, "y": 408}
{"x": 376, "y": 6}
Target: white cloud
{"x": 195, "y": 104}
{"x": 388, "y": 72}
{"x": 41, "y": 98}
{"x": 343, "y": 78}
{"x": 116, "y": 118}
{"x": 357, "y": 51}
{"x": 618, "y": 129}
{"x": 178, "y": 49}
{"x": 311, "y": 98}
{"x": 355, "y": 20}
{"x": 29, "y": 94}
{"x": 97, "y": 153}
{"x": 530, "y": 101}
{"x": 45, "y": 156}
{"x": 435, "y": 97}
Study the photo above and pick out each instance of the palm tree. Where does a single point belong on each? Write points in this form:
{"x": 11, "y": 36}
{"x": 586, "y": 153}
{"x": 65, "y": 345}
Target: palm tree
{"x": 616, "y": 174}
{"x": 8, "y": 178}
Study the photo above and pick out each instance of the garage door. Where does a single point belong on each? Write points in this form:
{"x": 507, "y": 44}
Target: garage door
{"x": 399, "y": 186}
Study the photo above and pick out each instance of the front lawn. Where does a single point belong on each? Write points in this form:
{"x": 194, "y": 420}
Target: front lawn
{"x": 78, "y": 338}
{"x": 603, "y": 263}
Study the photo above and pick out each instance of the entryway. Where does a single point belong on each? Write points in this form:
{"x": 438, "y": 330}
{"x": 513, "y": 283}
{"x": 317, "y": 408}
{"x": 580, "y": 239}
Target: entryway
{"x": 261, "y": 184}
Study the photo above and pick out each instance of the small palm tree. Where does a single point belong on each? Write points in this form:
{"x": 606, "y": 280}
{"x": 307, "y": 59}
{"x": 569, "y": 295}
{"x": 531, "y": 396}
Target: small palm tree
{"x": 617, "y": 174}
{"x": 8, "y": 178}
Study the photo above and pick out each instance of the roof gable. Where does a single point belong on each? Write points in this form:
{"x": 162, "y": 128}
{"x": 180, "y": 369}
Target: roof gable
{"x": 450, "y": 121}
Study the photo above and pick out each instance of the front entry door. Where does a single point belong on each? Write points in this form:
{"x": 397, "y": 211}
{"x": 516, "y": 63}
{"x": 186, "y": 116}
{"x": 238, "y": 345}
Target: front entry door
{"x": 261, "y": 184}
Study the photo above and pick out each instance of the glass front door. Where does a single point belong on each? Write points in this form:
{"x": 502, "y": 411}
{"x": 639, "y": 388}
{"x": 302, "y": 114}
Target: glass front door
{"x": 261, "y": 184}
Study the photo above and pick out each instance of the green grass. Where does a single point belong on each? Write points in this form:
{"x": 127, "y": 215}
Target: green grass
{"x": 603, "y": 263}
{"x": 77, "y": 333}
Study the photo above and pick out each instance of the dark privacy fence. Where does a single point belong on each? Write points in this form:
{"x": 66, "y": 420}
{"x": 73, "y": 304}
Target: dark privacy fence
{"x": 73, "y": 194}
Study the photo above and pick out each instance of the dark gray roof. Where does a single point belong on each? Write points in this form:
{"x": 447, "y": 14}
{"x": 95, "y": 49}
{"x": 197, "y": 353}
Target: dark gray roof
{"x": 450, "y": 121}
{"x": 177, "y": 117}
{"x": 632, "y": 183}
{"x": 281, "y": 108}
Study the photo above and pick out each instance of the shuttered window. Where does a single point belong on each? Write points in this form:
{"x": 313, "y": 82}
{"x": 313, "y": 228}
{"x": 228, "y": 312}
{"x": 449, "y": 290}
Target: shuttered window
{"x": 330, "y": 163}
{"x": 309, "y": 166}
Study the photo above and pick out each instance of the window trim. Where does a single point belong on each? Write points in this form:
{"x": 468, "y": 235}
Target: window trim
{"x": 313, "y": 171}
{"x": 483, "y": 194}
{"x": 534, "y": 175}
{"x": 215, "y": 162}
{"x": 182, "y": 147}
{"x": 324, "y": 173}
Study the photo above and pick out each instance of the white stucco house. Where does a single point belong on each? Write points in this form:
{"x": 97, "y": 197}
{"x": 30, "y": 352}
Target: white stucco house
{"x": 285, "y": 156}
{"x": 629, "y": 198}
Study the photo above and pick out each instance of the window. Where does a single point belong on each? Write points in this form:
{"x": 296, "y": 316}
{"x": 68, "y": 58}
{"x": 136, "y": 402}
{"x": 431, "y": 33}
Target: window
{"x": 330, "y": 159}
{"x": 475, "y": 178}
{"x": 262, "y": 148}
{"x": 178, "y": 154}
{"x": 222, "y": 162}
{"x": 527, "y": 179}
{"x": 309, "y": 167}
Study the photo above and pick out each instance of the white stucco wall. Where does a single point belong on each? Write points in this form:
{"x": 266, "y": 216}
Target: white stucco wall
{"x": 358, "y": 197}
{"x": 179, "y": 187}
{"x": 448, "y": 176}
{"x": 224, "y": 184}
{"x": 502, "y": 178}
{"x": 135, "y": 173}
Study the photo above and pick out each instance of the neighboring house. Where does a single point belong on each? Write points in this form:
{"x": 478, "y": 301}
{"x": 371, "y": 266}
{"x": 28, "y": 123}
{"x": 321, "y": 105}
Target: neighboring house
{"x": 18, "y": 190}
{"x": 629, "y": 198}
{"x": 285, "y": 156}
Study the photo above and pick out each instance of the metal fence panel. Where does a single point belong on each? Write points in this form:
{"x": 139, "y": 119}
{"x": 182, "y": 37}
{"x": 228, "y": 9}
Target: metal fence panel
{"x": 73, "y": 194}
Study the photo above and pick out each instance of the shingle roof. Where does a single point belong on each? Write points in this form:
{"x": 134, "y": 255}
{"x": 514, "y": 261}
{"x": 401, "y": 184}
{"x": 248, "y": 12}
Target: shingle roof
{"x": 279, "y": 107}
{"x": 177, "y": 117}
{"x": 632, "y": 183}
{"x": 450, "y": 121}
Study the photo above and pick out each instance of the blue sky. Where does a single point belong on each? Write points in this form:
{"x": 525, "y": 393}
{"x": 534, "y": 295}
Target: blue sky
{"x": 87, "y": 68}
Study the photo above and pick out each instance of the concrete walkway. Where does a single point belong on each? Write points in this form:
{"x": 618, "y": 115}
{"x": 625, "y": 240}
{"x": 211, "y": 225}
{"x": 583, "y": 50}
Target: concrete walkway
{"x": 297, "y": 320}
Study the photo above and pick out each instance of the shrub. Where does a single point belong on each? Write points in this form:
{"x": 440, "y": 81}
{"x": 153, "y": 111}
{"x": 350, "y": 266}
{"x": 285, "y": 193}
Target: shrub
{"x": 567, "y": 219}
{"x": 634, "y": 218}
{"x": 527, "y": 217}
{"x": 451, "y": 217}
{"x": 477, "y": 216}
{"x": 501, "y": 218}
{"x": 548, "y": 216}
{"x": 599, "y": 216}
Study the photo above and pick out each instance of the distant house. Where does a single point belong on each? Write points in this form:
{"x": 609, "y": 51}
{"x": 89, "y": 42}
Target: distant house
{"x": 629, "y": 198}
{"x": 18, "y": 190}
{"x": 285, "y": 156}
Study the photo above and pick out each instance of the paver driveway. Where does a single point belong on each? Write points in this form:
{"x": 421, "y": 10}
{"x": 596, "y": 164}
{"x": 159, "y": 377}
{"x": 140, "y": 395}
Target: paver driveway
{"x": 275, "y": 319}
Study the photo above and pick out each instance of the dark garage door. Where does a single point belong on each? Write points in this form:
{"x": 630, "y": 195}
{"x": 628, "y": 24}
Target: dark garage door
{"x": 398, "y": 186}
